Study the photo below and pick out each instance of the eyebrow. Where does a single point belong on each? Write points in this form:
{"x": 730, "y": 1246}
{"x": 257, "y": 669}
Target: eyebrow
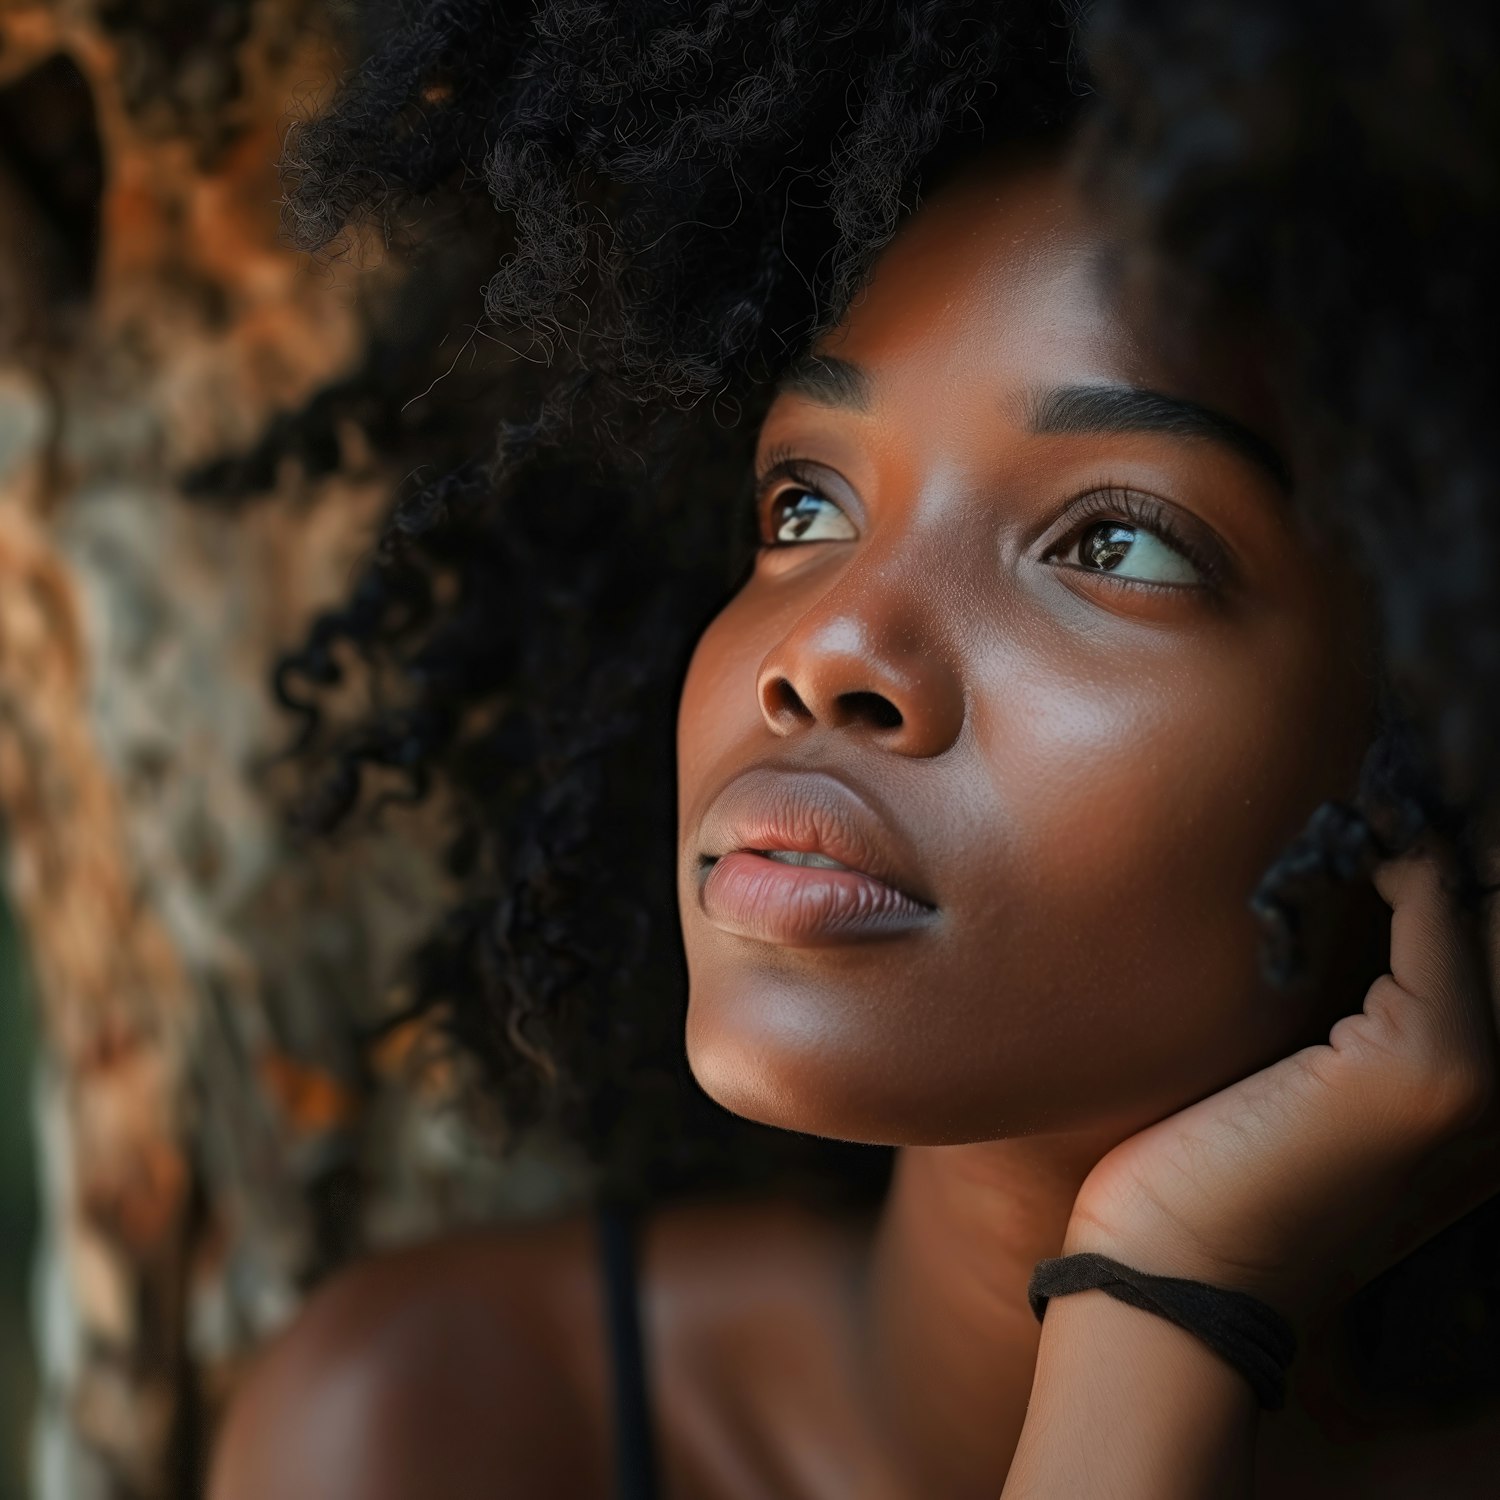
{"x": 1086, "y": 409}
{"x": 1074, "y": 410}
{"x": 829, "y": 381}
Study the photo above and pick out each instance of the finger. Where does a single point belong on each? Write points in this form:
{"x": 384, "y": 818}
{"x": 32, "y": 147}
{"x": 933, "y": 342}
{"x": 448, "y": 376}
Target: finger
{"x": 1434, "y": 960}
{"x": 1431, "y": 940}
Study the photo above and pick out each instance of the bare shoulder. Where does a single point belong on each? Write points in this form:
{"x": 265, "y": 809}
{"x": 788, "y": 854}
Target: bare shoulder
{"x": 475, "y": 1368}
{"x": 470, "y": 1367}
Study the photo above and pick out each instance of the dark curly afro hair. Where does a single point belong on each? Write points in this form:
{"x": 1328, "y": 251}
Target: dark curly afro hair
{"x": 675, "y": 198}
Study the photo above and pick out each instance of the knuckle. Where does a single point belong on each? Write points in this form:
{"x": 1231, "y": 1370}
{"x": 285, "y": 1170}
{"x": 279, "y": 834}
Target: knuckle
{"x": 1431, "y": 1076}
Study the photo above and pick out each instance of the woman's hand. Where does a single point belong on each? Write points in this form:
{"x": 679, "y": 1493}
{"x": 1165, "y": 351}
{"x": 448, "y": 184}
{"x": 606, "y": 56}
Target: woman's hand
{"x": 1305, "y": 1180}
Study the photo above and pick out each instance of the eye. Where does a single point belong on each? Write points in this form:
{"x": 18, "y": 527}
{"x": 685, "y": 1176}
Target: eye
{"x": 795, "y": 514}
{"x": 1136, "y": 538}
{"x": 1129, "y": 551}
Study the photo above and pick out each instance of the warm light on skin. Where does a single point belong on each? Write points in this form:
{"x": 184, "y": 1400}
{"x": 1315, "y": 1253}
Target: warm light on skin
{"x": 1096, "y": 772}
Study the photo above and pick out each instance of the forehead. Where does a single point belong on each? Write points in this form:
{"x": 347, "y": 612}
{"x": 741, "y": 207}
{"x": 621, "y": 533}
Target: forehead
{"x": 1002, "y": 285}
{"x": 1001, "y": 273}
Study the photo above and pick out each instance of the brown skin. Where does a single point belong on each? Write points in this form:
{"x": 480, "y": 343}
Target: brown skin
{"x": 1089, "y": 776}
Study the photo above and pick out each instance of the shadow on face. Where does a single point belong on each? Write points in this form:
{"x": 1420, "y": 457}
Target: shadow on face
{"x": 1038, "y": 666}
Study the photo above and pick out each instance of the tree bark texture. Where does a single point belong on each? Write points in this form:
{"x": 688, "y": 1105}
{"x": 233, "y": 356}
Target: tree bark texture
{"x": 215, "y": 1135}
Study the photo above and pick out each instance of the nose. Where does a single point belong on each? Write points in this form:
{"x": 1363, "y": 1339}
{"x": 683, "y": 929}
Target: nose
{"x": 850, "y": 669}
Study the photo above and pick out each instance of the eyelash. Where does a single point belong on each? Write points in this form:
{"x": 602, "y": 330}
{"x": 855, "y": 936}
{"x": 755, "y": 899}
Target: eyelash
{"x": 781, "y": 464}
{"x": 1109, "y": 502}
{"x": 1135, "y": 508}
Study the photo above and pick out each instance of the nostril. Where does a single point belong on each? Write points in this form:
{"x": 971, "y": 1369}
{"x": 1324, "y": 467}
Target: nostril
{"x": 873, "y": 707}
{"x": 782, "y": 698}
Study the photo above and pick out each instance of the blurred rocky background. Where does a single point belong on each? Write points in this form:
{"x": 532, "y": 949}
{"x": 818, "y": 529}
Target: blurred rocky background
{"x": 17, "y": 1220}
{"x": 199, "y": 430}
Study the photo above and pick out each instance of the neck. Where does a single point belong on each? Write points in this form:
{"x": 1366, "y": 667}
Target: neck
{"x": 952, "y": 1340}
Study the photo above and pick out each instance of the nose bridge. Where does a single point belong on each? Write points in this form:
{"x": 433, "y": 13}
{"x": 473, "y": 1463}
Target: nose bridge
{"x": 871, "y": 654}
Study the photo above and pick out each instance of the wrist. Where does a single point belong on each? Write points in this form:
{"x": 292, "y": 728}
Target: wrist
{"x": 1181, "y": 1422}
{"x": 1244, "y": 1331}
{"x": 1159, "y": 1252}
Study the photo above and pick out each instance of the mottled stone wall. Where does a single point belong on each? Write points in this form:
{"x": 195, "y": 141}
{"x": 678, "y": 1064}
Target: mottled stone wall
{"x": 216, "y": 1132}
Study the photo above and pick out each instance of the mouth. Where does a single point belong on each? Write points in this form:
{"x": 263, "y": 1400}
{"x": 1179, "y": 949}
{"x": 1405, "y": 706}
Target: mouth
{"x": 808, "y": 858}
{"x": 804, "y": 861}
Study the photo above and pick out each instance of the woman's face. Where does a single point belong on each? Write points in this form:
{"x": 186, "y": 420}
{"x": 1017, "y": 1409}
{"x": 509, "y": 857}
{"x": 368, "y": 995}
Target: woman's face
{"x": 1036, "y": 640}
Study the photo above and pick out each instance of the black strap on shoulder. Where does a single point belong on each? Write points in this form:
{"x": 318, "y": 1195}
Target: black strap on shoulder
{"x": 635, "y": 1442}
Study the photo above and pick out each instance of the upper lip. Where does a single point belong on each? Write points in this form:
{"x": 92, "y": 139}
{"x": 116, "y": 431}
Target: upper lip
{"x": 769, "y": 807}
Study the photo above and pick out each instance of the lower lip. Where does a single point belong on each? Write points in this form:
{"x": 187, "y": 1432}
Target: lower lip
{"x": 804, "y": 906}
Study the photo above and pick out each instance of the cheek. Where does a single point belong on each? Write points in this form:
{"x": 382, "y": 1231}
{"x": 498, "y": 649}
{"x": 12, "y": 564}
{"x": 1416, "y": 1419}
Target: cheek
{"x": 1167, "y": 789}
{"x": 1183, "y": 777}
{"x": 717, "y": 711}
{"x": 1130, "y": 814}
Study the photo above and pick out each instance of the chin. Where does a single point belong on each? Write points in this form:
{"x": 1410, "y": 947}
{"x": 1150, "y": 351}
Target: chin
{"x": 769, "y": 1064}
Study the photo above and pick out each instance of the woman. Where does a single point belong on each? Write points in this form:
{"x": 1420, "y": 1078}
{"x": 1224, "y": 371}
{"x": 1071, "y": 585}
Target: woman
{"x": 1120, "y": 603}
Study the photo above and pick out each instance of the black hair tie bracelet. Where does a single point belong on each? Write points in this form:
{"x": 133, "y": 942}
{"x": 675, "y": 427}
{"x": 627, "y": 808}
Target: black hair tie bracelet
{"x": 1248, "y": 1333}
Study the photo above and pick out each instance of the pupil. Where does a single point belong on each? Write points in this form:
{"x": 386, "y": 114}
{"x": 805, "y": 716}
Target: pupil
{"x": 798, "y": 516}
{"x": 1105, "y": 546}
